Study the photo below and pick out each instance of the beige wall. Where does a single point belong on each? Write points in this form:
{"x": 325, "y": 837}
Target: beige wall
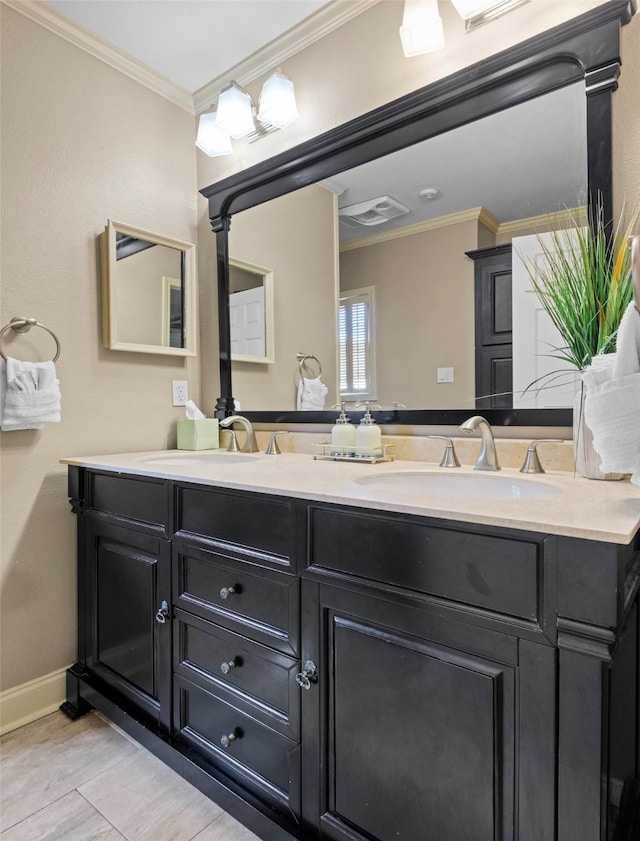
{"x": 295, "y": 237}
{"x": 424, "y": 308}
{"x": 626, "y": 122}
{"x": 80, "y": 144}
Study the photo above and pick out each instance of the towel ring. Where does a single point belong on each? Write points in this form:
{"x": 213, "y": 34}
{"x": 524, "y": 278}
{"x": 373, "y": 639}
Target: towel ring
{"x": 23, "y": 325}
{"x": 302, "y": 358}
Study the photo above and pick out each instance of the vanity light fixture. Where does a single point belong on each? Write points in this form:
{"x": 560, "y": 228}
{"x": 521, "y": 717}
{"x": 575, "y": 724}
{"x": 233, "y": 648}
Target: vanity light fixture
{"x": 477, "y": 12}
{"x": 277, "y": 101}
{"x": 211, "y": 139}
{"x": 235, "y": 111}
{"x": 235, "y": 114}
{"x": 421, "y": 30}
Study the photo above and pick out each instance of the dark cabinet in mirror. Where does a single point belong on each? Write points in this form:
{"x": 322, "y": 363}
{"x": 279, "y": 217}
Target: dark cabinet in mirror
{"x": 508, "y": 142}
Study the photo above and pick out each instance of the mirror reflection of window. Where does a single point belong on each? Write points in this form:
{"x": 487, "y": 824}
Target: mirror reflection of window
{"x": 356, "y": 318}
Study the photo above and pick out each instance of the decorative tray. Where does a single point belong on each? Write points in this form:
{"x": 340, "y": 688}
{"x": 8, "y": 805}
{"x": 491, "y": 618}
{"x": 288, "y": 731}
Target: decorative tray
{"x": 330, "y": 453}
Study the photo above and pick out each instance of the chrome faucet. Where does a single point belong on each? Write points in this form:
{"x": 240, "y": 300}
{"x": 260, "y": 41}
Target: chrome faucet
{"x": 487, "y": 458}
{"x": 250, "y": 444}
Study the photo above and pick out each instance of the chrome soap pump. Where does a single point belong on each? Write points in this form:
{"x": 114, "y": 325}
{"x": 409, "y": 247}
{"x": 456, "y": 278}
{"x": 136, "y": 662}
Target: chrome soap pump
{"x": 368, "y": 436}
{"x": 343, "y": 435}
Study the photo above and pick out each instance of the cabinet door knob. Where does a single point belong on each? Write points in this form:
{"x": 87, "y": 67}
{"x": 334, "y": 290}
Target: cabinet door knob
{"x": 163, "y": 612}
{"x": 308, "y": 675}
{"x": 229, "y": 591}
{"x": 225, "y": 668}
{"x": 226, "y": 741}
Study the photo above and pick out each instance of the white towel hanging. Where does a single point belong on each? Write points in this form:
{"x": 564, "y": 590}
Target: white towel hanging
{"x": 29, "y": 395}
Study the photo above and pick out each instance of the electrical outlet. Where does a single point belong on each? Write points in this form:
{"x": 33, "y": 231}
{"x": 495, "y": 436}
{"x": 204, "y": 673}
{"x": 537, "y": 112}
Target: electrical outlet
{"x": 179, "y": 392}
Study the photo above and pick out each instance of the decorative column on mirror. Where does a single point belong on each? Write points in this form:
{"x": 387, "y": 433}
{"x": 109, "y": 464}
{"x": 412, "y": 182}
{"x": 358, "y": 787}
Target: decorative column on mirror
{"x": 225, "y": 403}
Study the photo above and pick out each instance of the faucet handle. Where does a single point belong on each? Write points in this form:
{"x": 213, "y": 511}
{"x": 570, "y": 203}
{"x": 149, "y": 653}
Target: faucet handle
{"x": 233, "y": 442}
{"x": 449, "y": 459}
{"x": 531, "y": 461}
{"x": 272, "y": 447}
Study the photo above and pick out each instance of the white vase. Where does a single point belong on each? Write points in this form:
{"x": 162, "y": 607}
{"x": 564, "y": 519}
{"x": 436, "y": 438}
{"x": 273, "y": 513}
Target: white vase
{"x": 587, "y": 459}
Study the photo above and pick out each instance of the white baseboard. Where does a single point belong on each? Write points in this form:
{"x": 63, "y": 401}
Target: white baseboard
{"x": 32, "y": 700}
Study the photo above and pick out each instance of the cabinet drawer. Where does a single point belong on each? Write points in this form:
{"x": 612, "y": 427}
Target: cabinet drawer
{"x": 260, "y": 603}
{"x": 260, "y": 524}
{"x": 254, "y": 678}
{"x": 258, "y": 756}
{"x": 483, "y": 570}
{"x": 140, "y": 499}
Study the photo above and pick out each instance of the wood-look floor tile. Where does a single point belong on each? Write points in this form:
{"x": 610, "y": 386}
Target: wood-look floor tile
{"x": 69, "y": 819}
{"x": 226, "y": 828}
{"x": 50, "y": 757}
{"x": 147, "y": 801}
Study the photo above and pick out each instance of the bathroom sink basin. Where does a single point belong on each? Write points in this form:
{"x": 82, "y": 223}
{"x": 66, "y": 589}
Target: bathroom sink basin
{"x": 199, "y": 459}
{"x": 459, "y": 487}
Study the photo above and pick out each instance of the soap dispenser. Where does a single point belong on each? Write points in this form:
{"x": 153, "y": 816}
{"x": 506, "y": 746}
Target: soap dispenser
{"x": 343, "y": 435}
{"x": 368, "y": 436}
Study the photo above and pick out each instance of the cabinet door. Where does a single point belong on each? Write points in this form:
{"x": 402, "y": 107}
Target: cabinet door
{"x": 128, "y": 579}
{"x": 416, "y": 727}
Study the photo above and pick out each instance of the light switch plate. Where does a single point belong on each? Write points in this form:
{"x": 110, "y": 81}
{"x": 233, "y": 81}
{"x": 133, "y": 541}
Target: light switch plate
{"x": 445, "y": 375}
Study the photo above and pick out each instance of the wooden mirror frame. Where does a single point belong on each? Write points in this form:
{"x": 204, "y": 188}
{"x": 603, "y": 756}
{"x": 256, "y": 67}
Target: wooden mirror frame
{"x": 586, "y": 48}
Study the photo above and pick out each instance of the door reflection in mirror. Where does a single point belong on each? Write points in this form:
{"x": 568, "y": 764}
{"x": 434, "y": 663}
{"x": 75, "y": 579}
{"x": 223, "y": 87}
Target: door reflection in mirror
{"x": 251, "y": 312}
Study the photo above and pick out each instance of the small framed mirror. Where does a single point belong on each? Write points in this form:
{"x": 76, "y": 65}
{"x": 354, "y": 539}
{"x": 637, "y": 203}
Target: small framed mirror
{"x": 251, "y": 312}
{"x": 148, "y": 292}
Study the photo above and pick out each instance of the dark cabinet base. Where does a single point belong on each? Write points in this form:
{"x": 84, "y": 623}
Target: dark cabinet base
{"x": 182, "y": 758}
{"x": 380, "y": 677}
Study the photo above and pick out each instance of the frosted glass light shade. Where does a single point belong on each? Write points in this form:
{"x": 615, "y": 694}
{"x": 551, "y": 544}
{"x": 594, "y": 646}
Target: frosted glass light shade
{"x": 211, "y": 139}
{"x": 421, "y": 30}
{"x": 277, "y": 101}
{"x": 234, "y": 111}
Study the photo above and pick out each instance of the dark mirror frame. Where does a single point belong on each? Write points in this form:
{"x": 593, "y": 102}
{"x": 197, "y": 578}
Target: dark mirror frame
{"x": 586, "y": 48}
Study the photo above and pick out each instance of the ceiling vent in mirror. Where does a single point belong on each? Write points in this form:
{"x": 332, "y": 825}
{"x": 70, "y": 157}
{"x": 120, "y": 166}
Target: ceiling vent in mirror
{"x": 372, "y": 212}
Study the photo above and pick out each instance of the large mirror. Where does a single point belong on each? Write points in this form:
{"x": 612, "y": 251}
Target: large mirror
{"x": 388, "y": 304}
{"x": 506, "y": 144}
{"x": 148, "y": 292}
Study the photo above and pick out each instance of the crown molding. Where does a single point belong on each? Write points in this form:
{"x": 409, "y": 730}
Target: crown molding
{"x": 97, "y": 47}
{"x": 547, "y": 221}
{"x": 331, "y": 16}
{"x": 476, "y": 214}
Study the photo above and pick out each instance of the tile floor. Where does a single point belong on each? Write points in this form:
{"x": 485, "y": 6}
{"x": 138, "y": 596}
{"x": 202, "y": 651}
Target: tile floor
{"x": 86, "y": 781}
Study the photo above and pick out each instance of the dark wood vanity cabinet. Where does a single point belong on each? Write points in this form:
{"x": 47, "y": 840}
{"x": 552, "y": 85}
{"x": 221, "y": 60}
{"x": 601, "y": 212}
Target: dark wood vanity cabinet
{"x": 348, "y": 674}
{"x": 124, "y": 590}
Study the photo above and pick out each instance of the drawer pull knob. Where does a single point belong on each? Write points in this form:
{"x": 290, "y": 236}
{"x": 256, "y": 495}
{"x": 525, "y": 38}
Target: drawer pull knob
{"x": 308, "y": 675}
{"x": 225, "y": 668}
{"x": 163, "y": 612}
{"x": 226, "y": 741}
{"x": 229, "y": 591}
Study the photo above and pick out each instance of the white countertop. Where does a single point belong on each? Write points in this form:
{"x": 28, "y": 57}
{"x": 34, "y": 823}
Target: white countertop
{"x": 596, "y": 510}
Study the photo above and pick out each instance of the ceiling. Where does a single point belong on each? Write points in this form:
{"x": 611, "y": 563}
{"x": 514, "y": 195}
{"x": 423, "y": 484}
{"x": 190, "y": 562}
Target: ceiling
{"x": 190, "y": 42}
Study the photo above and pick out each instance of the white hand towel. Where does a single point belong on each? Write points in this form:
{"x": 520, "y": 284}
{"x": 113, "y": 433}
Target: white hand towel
{"x": 612, "y": 406}
{"x": 29, "y": 395}
{"x": 311, "y": 394}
